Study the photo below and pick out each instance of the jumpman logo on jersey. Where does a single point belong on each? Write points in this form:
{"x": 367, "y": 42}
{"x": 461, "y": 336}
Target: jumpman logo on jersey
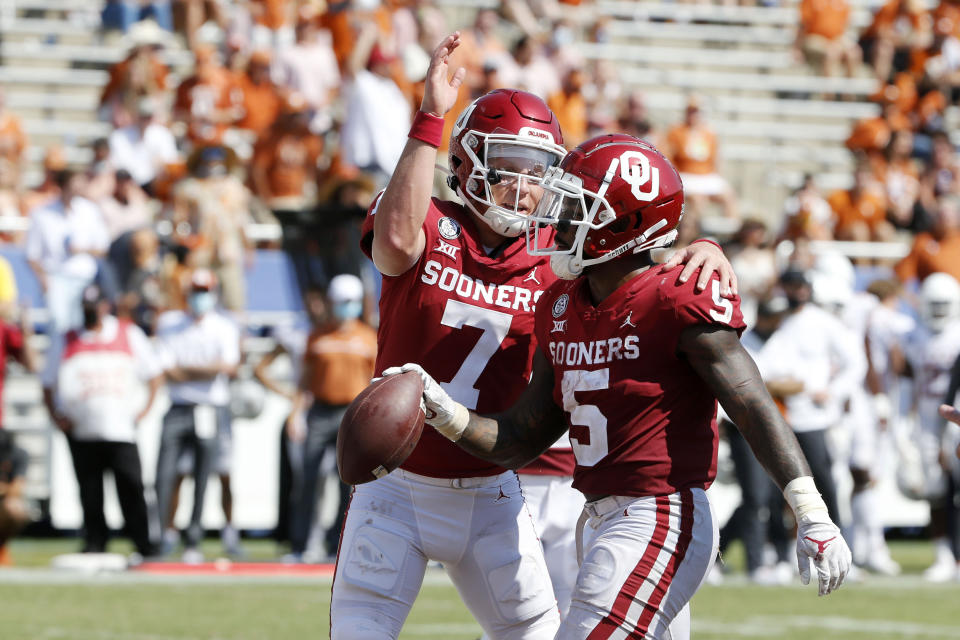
{"x": 502, "y": 495}
{"x": 532, "y": 276}
{"x": 627, "y": 322}
{"x": 821, "y": 546}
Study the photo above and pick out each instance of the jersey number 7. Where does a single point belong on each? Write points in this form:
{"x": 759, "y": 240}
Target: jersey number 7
{"x": 494, "y": 326}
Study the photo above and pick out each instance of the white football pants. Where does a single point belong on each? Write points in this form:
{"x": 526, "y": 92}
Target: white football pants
{"x": 479, "y": 528}
{"x": 643, "y": 559}
{"x": 555, "y": 506}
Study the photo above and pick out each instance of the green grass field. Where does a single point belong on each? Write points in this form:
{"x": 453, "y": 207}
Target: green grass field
{"x": 42, "y": 604}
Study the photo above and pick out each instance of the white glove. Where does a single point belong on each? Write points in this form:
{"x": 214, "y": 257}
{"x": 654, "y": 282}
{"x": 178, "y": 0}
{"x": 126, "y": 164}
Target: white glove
{"x": 443, "y": 413}
{"x": 818, "y": 539}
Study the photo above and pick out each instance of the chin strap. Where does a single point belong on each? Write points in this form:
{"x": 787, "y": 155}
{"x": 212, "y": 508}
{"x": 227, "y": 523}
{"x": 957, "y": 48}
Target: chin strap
{"x": 565, "y": 266}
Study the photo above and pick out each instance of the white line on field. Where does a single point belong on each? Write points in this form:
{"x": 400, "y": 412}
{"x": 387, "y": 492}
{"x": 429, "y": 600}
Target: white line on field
{"x": 77, "y": 634}
{"x": 772, "y": 626}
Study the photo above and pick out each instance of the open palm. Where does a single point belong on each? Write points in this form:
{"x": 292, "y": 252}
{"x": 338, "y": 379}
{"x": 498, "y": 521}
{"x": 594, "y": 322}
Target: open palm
{"x": 440, "y": 90}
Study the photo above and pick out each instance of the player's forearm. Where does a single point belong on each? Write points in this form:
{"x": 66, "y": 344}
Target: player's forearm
{"x": 728, "y": 369}
{"x": 771, "y": 439}
{"x": 397, "y": 226}
{"x": 500, "y": 440}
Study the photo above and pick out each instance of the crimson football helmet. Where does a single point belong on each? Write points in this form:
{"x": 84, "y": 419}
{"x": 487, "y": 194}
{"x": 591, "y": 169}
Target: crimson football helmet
{"x": 503, "y": 142}
{"x": 612, "y": 195}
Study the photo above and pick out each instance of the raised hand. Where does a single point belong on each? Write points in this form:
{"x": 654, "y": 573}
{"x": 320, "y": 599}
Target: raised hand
{"x": 440, "y": 90}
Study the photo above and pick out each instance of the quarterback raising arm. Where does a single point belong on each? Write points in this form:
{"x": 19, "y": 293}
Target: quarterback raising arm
{"x": 398, "y": 239}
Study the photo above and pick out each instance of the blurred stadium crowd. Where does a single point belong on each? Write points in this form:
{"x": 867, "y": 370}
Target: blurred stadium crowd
{"x": 293, "y": 114}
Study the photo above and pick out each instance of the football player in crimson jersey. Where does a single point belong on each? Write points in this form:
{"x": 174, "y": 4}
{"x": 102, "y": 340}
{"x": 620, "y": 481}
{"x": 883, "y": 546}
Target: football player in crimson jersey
{"x": 634, "y": 363}
{"x": 459, "y": 296}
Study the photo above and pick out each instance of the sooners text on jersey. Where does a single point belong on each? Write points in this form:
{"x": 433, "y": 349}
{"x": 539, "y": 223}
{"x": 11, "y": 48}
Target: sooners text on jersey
{"x": 467, "y": 319}
{"x": 642, "y": 422}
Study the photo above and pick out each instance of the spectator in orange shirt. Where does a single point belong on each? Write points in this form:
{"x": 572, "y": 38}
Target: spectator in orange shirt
{"x": 480, "y": 46}
{"x": 946, "y": 18}
{"x": 935, "y": 250}
{"x": 283, "y": 171}
{"x": 261, "y": 98}
{"x": 860, "y": 213}
{"x": 13, "y": 141}
{"x": 571, "y": 107}
{"x": 272, "y": 23}
{"x": 898, "y": 28}
{"x": 692, "y": 147}
{"x": 208, "y": 101}
{"x": 872, "y": 135}
{"x": 822, "y": 39}
{"x": 54, "y": 161}
{"x": 806, "y": 214}
{"x": 142, "y": 73}
{"x": 337, "y": 366}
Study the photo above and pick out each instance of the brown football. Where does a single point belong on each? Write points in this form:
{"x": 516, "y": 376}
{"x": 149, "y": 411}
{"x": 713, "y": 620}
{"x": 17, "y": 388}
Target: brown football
{"x": 380, "y": 428}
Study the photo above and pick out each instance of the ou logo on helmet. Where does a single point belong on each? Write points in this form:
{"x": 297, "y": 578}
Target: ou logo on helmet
{"x": 636, "y": 171}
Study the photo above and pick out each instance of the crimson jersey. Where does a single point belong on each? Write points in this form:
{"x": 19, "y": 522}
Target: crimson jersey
{"x": 642, "y": 422}
{"x": 467, "y": 319}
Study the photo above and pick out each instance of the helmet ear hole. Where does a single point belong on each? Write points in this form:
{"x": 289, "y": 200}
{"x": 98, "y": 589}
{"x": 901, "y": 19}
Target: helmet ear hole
{"x": 622, "y": 224}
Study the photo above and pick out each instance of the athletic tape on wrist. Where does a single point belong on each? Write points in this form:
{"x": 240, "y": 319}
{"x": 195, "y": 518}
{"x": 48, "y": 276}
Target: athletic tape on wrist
{"x": 453, "y": 428}
{"x": 427, "y": 128}
{"x": 802, "y": 496}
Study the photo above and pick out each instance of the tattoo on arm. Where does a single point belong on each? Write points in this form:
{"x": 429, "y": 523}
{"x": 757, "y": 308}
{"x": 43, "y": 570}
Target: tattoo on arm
{"x": 524, "y": 431}
{"x": 721, "y": 361}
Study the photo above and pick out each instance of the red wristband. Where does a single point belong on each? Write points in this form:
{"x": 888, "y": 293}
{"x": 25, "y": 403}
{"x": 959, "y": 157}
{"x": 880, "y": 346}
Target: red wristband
{"x": 713, "y": 242}
{"x": 427, "y": 128}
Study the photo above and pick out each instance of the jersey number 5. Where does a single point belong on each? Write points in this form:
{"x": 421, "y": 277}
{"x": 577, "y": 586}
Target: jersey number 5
{"x": 726, "y": 307}
{"x": 495, "y": 326}
{"x": 586, "y": 415}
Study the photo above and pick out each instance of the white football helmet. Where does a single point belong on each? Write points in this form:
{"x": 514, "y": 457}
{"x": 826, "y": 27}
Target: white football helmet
{"x": 939, "y": 301}
{"x": 831, "y": 293}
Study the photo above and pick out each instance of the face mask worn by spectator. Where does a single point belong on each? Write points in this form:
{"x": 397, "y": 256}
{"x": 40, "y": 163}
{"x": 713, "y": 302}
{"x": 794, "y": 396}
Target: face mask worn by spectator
{"x": 202, "y": 302}
{"x": 348, "y": 310}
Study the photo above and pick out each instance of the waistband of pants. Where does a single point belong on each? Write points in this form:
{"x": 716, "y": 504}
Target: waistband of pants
{"x": 457, "y": 483}
{"x": 603, "y": 506}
